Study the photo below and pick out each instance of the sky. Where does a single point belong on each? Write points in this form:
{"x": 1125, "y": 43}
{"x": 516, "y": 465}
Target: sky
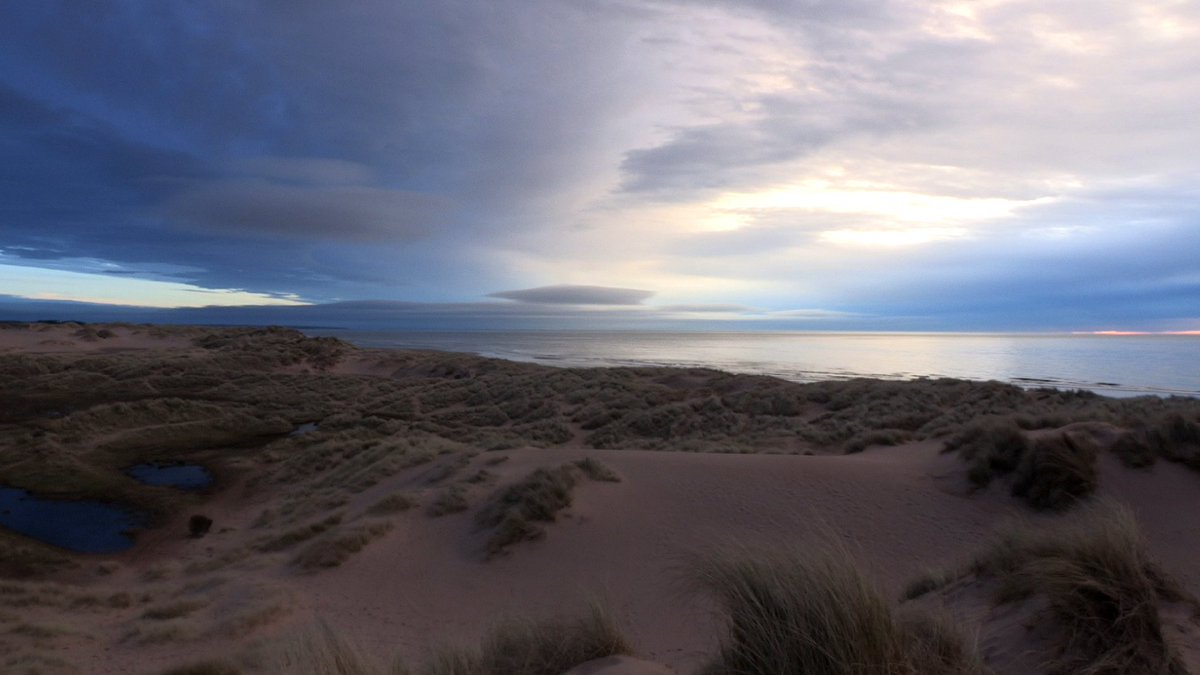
{"x": 743, "y": 164}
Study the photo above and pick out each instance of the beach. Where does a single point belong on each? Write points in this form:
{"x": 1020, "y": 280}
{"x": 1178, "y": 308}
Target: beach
{"x": 401, "y": 503}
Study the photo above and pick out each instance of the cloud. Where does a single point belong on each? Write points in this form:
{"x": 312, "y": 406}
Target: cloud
{"x": 343, "y": 213}
{"x": 706, "y": 309}
{"x": 575, "y": 295}
{"x": 734, "y": 153}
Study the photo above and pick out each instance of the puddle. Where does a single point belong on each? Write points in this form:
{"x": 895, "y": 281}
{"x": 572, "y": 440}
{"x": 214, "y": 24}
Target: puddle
{"x": 306, "y": 428}
{"x": 83, "y": 526}
{"x": 182, "y": 476}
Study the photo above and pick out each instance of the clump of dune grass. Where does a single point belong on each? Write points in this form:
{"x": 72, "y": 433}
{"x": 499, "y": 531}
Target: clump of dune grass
{"x": 536, "y": 647}
{"x": 173, "y": 610}
{"x": 516, "y": 510}
{"x": 1102, "y": 587}
{"x": 597, "y": 470}
{"x": 21, "y": 557}
{"x": 453, "y": 499}
{"x": 338, "y": 546}
{"x": 1051, "y": 472}
{"x": 931, "y": 580}
{"x": 1056, "y": 472}
{"x": 862, "y": 441}
{"x": 813, "y": 611}
{"x": 394, "y": 503}
{"x": 321, "y": 651}
{"x": 300, "y": 534}
{"x": 991, "y": 447}
{"x": 539, "y": 496}
{"x": 1172, "y": 437}
{"x": 205, "y": 668}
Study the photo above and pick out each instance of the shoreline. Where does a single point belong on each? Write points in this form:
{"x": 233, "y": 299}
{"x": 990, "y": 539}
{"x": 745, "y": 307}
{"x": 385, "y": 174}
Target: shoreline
{"x": 561, "y": 349}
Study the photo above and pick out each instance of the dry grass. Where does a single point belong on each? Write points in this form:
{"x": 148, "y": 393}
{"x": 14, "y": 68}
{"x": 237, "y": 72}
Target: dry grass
{"x": 536, "y": 647}
{"x": 992, "y": 447}
{"x": 173, "y": 610}
{"x": 1051, "y": 472}
{"x": 205, "y": 668}
{"x": 340, "y": 545}
{"x": 1056, "y": 472}
{"x": 814, "y": 612}
{"x": 515, "y": 511}
{"x": 597, "y": 470}
{"x": 300, "y": 534}
{"x": 21, "y": 557}
{"x": 392, "y": 504}
{"x": 1102, "y": 588}
{"x": 321, "y": 651}
{"x": 452, "y": 499}
{"x": 1173, "y": 437}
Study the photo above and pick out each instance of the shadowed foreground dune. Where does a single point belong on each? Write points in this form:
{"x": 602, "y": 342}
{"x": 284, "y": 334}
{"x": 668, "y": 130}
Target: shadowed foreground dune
{"x": 466, "y": 515}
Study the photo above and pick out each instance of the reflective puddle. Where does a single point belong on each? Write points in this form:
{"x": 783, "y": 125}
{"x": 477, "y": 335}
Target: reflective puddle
{"x": 182, "y": 476}
{"x": 83, "y": 526}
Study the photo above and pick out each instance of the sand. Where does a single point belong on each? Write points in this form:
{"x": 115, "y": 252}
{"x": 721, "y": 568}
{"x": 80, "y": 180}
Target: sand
{"x": 424, "y": 423}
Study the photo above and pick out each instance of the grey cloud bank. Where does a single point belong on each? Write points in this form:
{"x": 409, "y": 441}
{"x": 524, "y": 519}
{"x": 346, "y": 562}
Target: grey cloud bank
{"x": 576, "y": 295}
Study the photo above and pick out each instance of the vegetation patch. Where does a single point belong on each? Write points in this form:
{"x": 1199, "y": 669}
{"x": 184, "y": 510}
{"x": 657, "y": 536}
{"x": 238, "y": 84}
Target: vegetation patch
{"x": 1102, "y": 588}
{"x": 597, "y": 470}
{"x": 1050, "y": 472}
{"x": 515, "y": 511}
{"x": 536, "y": 647}
{"x": 173, "y": 610}
{"x": 205, "y": 668}
{"x": 300, "y": 534}
{"x": 394, "y": 503}
{"x": 338, "y": 546}
{"x": 452, "y": 499}
{"x": 815, "y": 612}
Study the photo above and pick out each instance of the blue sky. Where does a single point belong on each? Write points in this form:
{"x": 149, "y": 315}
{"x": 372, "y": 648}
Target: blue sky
{"x": 840, "y": 165}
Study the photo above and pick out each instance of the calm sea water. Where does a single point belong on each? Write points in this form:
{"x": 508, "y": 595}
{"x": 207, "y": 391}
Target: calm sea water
{"x": 1116, "y": 365}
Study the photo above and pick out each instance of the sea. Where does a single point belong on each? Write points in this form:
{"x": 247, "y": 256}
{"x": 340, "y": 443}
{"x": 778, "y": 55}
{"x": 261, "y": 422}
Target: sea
{"x": 1113, "y": 365}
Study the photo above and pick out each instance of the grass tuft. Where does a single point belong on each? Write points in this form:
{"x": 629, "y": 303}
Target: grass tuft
{"x": 205, "y": 668}
{"x": 597, "y": 470}
{"x": 516, "y": 510}
{"x": 323, "y": 652}
{"x": 1102, "y": 588}
{"x": 814, "y": 612}
{"x": 395, "y": 503}
{"x": 1056, "y": 472}
{"x": 340, "y": 545}
{"x": 453, "y": 499}
{"x": 536, "y": 647}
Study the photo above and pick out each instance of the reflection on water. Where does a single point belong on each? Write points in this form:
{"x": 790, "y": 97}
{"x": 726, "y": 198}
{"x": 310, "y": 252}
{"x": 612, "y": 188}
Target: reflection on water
{"x": 1113, "y": 365}
{"x": 182, "y": 476}
{"x": 86, "y": 527}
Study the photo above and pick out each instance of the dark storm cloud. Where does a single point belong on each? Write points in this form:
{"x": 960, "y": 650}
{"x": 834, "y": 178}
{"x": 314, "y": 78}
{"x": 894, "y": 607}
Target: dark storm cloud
{"x": 575, "y": 295}
{"x": 345, "y": 213}
{"x": 184, "y": 133}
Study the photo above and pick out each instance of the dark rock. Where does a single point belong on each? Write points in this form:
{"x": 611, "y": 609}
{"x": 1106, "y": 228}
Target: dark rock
{"x": 199, "y": 526}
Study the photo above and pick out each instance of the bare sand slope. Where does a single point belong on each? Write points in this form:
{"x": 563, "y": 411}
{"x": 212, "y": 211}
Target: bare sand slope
{"x": 427, "y": 581}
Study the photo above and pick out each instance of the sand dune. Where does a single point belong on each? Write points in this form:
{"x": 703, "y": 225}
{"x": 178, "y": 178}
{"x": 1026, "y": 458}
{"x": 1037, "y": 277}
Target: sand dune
{"x": 350, "y": 485}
